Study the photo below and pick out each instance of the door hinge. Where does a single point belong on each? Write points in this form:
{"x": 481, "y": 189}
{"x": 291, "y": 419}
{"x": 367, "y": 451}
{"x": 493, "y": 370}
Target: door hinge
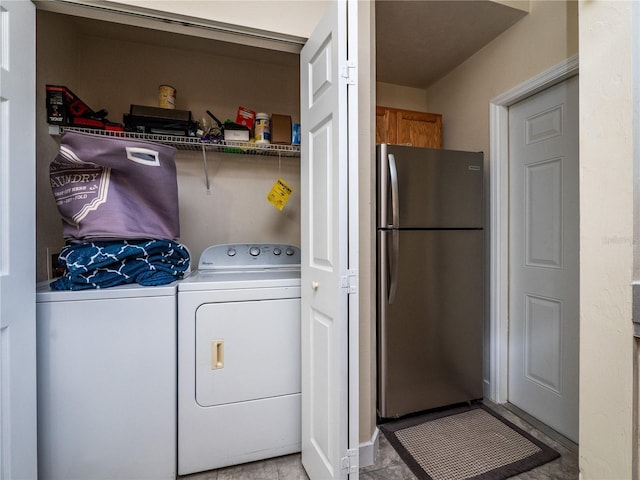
{"x": 350, "y": 462}
{"x": 350, "y": 281}
{"x": 348, "y": 71}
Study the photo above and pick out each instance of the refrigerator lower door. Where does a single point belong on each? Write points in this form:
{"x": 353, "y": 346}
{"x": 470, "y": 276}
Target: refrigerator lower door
{"x": 430, "y": 336}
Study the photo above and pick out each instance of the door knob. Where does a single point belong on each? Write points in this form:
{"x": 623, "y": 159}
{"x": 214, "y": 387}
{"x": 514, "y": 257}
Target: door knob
{"x": 315, "y": 285}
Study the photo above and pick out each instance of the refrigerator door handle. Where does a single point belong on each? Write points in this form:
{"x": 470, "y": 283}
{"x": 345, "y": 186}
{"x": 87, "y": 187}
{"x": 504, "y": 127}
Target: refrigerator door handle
{"x": 394, "y": 261}
{"x": 395, "y": 203}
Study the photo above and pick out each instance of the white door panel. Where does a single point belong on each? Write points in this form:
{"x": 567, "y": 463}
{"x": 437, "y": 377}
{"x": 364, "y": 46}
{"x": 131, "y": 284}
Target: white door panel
{"x": 17, "y": 241}
{"x": 324, "y": 248}
{"x": 544, "y": 257}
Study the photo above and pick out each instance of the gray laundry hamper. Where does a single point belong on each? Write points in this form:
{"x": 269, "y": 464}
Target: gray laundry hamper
{"x": 111, "y": 188}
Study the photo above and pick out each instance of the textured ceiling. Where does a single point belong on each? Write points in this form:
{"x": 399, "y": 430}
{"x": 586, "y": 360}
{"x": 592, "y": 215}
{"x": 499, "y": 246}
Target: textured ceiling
{"x": 418, "y": 42}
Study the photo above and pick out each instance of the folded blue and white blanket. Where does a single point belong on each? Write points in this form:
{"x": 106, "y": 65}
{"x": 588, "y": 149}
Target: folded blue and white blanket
{"x": 108, "y": 264}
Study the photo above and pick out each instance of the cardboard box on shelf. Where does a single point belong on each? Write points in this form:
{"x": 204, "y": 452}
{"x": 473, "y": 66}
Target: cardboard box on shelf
{"x": 280, "y": 129}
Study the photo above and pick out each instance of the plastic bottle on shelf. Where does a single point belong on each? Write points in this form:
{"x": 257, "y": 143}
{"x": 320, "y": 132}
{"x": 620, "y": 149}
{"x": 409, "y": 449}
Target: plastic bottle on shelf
{"x": 262, "y": 129}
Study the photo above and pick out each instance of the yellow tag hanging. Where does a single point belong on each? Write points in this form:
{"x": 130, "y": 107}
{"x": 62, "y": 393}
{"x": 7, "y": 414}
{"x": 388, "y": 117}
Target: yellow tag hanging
{"x": 279, "y": 194}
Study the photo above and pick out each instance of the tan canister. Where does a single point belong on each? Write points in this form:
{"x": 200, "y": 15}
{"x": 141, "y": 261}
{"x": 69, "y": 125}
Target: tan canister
{"x": 166, "y": 96}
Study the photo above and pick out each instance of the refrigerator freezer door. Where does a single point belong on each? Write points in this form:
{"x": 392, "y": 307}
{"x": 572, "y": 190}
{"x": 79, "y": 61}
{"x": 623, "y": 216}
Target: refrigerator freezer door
{"x": 429, "y": 188}
{"x": 430, "y": 336}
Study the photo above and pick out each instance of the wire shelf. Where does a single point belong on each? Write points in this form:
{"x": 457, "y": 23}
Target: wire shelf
{"x": 192, "y": 143}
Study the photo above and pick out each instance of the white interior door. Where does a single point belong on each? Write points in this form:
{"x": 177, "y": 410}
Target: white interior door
{"x": 17, "y": 241}
{"x": 544, "y": 254}
{"x": 324, "y": 179}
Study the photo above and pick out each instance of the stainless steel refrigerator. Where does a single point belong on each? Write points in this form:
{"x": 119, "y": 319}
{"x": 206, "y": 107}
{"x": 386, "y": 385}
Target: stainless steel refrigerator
{"x": 430, "y": 269}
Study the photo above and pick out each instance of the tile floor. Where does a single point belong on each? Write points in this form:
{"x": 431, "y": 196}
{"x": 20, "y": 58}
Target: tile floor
{"x": 389, "y": 466}
{"x": 279, "y": 468}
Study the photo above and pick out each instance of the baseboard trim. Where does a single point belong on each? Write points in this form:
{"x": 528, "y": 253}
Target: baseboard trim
{"x": 486, "y": 389}
{"x": 368, "y": 451}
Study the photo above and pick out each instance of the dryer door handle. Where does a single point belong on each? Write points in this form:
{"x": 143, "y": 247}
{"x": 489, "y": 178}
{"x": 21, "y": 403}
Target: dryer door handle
{"x": 217, "y": 354}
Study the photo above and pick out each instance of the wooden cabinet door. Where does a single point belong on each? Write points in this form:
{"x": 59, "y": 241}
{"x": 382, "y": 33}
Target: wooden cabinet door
{"x": 419, "y": 129}
{"x": 386, "y": 125}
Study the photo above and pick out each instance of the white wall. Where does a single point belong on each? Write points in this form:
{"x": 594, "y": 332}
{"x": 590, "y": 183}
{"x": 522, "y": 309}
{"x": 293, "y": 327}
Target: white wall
{"x": 366, "y": 191}
{"x": 398, "y": 96}
{"x": 606, "y": 240}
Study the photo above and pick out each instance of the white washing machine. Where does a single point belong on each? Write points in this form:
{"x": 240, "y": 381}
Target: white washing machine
{"x": 107, "y": 383}
{"x": 239, "y": 357}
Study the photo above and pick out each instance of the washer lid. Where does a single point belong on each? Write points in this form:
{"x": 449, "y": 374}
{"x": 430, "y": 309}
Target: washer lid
{"x": 249, "y": 256}
{"x": 240, "y": 279}
{"x": 132, "y": 290}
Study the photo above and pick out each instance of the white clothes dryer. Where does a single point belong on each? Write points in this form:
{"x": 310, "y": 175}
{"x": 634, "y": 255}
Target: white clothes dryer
{"x": 239, "y": 357}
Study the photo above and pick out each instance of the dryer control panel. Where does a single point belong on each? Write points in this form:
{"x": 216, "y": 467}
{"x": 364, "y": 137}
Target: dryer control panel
{"x": 249, "y": 256}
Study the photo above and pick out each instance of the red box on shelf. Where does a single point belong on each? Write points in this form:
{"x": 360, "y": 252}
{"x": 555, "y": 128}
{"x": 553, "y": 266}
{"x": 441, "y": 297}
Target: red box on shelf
{"x": 65, "y": 108}
{"x": 245, "y": 117}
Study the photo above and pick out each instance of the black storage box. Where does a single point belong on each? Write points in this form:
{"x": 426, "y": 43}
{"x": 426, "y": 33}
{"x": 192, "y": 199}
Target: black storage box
{"x": 160, "y": 121}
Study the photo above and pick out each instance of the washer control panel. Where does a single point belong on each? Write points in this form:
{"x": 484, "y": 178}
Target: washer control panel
{"x": 245, "y": 256}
